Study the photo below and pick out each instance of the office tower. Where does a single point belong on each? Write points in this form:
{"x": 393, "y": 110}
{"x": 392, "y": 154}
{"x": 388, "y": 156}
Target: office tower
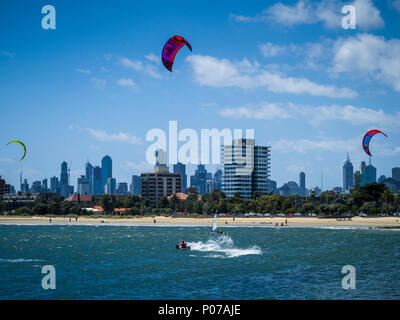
{"x": 97, "y": 185}
{"x": 161, "y": 158}
{"x": 106, "y": 169}
{"x": 338, "y": 190}
{"x": 88, "y": 175}
{"x": 218, "y": 179}
{"x": 36, "y": 187}
{"x": 370, "y": 172}
{"x": 4, "y": 187}
{"x": 181, "y": 168}
{"x": 44, "y": 184}
{"x": 396, "y": 174}
{"x": 348, "y": 179}
{"x": 65, "y": 188}
{"x": 302, "y": 183}
{"x": 122, "y": 188}
{"x": 111, "y": 186}
{"x": 25, "y": 186}
{"x": 246, "y": 168}
{"x": 382, "y": 179}
{"x": 198, "y": 180}
{"x": 135, "y": 185}
{"x": 54, "y": 188}
{"x": 83, "y": 185}
{"x": 160, "y": 183}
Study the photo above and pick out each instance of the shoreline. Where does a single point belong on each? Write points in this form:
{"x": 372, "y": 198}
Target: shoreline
{"x": 375, "y": 222}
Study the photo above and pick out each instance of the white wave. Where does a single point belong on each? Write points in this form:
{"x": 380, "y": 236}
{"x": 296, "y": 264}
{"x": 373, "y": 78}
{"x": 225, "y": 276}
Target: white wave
{"x": 223, "y": 244}
{"x": 18, "y": 260}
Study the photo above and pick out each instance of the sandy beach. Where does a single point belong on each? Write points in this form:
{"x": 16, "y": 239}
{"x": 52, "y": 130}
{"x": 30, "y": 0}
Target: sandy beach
{"x": 222, "y": 221}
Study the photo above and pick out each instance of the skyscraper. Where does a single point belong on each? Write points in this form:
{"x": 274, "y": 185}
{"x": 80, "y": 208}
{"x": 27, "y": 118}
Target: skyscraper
{"x": 88, "y": 175}
{"x": 396, "y": 174}
{"x": 106, "y": 169}
{"x": 135, "y": 185}
{"x": 218, "y": 179}
{"x": 302, "y": 183}
{"x": 370, "y": 172}
{"x": 348, "y": 179}
{"x": 122, "y": 188}
{"x": 181, "y": 168}
{"x": 160, "y": 183}
{"x": 198, "y": 180}
{"x": 54, "y": 186}
{"x": 97, "y": 185}
{"x": 83, "y": 185}
{"x": 65, "y": 188}
{"x": 246, "y": 168}
{"x": 111, "y": 186}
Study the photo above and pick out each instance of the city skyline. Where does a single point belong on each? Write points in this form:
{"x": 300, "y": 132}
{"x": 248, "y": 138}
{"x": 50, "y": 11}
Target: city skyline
{"x": 79, "y": 92}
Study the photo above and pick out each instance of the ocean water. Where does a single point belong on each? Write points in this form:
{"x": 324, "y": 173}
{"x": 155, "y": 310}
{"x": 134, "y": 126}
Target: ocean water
{"x": 141, "y": 262}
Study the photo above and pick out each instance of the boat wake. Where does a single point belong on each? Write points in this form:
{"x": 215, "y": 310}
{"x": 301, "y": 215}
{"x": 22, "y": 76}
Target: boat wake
{"x": 223, "y": 245}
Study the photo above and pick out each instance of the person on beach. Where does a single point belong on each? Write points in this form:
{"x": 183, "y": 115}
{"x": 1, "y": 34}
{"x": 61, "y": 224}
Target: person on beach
{"x": 286, "y": 221}
{"x": 50, "y": 220}
{"x": 69, "y": 219}
{"x": 76, "y": 218}
{"x": 155, "y": 221}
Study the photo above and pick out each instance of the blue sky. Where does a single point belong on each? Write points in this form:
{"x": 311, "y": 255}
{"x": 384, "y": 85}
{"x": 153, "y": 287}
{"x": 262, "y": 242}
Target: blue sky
{"x": 287, "y": 69}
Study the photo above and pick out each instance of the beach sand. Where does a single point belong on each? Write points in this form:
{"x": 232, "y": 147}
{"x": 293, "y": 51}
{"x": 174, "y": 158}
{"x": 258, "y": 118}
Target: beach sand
{"x": 222, "y": 221}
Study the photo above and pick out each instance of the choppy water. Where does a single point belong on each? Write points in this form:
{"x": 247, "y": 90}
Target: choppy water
{"x": 136, "y": 262}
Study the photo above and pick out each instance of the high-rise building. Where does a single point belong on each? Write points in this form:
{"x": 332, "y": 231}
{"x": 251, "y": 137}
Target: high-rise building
{"x": 370, "y": 172}
{"x": 302, "y": 183}
{"x": 54, "y": 185}
{"x": 160, "y": 183}
{"x": 88, "y": 175}
{"x": 348, "y": 179}
{"x": 199, "y": 179}
{"x": 135, "y": 185}
{"x": 97, "y": 185}
{"x": 396, "y": 174}
{"x": 122, "y": 188}
{"x": 25, "y": 186}
{"x": 65, "y": 188}
{"x": 181, "y": 168}
{"x": 111, "y": 186}
{"x": 246, "y": 168}
{"x": 83, "y": 185}
{"x": 44, "y": 184}
{"x": 4, "y": 187}
{"x": 218, "y": 179}
{"x": 106, "y": 169}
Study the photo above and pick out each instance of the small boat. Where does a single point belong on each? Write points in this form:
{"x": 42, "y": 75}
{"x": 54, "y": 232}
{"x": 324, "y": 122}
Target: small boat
{"x": 178, "y": 246}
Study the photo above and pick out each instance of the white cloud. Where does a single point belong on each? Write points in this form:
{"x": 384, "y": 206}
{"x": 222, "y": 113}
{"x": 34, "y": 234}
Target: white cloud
{"x": 396, "y": 4}
{"x": 8, "y": 54}
{"x": 103, "y": 136}
{"x": 315, "y": 115}
{"x": 85, "y": 71}
{"x": 271, "y": 50}
{"x": 369, "y": 55}
{"x": 327, "y": 12}
{"x": 153, "y": 58}
{"x": 137, "y": 167}
{"x": 214, "y": 72}
{"x": 6, "y": 160}
{"x": 300, "y": 13}
{"x": 139, "y": 66}
{"x": 320, "y": 145}
{"x": 126, "y": 82}
{"x": 99, "y": 84}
